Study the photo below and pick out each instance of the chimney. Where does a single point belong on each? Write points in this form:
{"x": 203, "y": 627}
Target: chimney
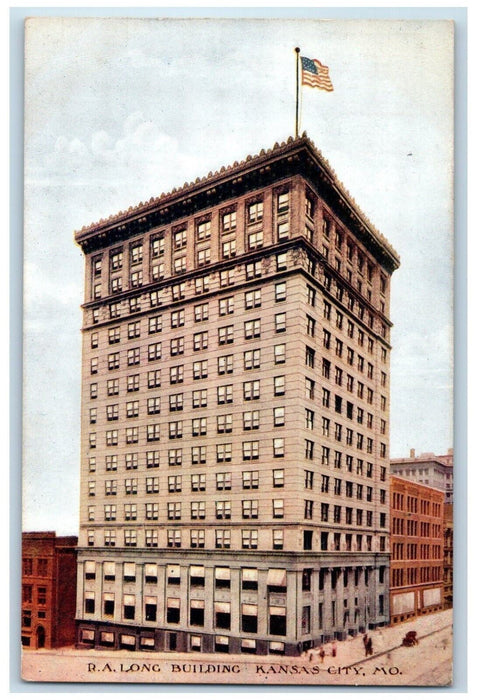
{"x": 413, "y": 453}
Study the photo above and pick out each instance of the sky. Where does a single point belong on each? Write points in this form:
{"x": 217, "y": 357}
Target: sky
{"x": 118, "y": 111}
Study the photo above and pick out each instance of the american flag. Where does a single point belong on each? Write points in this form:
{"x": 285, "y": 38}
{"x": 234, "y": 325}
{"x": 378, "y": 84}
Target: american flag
{"x": 315, "y": 74}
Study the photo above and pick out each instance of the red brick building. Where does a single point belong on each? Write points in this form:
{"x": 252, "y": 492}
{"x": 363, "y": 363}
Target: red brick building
{"x": 48, "y": 590}
{"x": 417, "y": 550}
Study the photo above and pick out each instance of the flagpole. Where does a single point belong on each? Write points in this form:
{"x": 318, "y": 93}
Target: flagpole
{"x": 297, "y": 50}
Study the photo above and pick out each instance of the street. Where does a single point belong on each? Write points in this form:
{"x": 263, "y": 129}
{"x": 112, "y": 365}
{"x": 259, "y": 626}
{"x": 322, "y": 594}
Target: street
{"x": 427, "y": 664}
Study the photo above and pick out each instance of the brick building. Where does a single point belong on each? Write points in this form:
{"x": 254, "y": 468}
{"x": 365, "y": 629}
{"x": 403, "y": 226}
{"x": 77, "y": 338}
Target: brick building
{"x": 48, "y": 590}
{"x": 432, "y": 470}
{"x": 417, "y": 549}
{"x": 235, "y": 379}
{"x": 448, "y": 555}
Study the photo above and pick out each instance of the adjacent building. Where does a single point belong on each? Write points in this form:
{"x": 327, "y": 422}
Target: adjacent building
{"x": 48, "y": 590}
{"x": 432, "y": 470}
{"x": 235, "y": 414}
{"x": 417, "y": 550}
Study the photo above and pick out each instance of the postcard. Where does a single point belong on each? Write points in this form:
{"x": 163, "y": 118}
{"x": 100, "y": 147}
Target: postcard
{"x": 238, "y": 330}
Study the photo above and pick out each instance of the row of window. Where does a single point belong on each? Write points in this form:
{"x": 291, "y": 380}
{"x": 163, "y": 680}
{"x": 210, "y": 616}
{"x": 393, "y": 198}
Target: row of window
{"x": 414, "y": 528}
{"x": 35, "y": 566}
{"x": 415, "y": 575}
{"x": 249, "y": 539}
{"x": 200, "y": 368}
{"x": 202, "y": 234}
{"x": 177, "y": 292}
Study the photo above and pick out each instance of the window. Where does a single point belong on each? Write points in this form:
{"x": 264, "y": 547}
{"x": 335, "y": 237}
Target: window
{"x": 176, "y": 374}
{"x": 203, "y": 257}
{"x": 199, "y": 369}
{"x": 197, "y": 482}
{"x": 224, "y": 424}
{"x": 199, "y": 399}
{"x": 152, "y": 432}
{"x": 308, "y": 512}
{"x": 249, "y": 509}
{"x": 310, "y": 326}
{"x": 250, "y": 480}
{"x": 251, "y": 390}
{"x": 250, "y": 450}
{"x": 253, "y": 299}
{"x": 253, "y": 270}
{"x": 152, "y": 484}
{"x": 223, "y": 481}
{"x": 222, "y": 539}
{"x": 175, "y": 429}
{"x": 279, "y": 416}
{"x": 201, "y": 312}
{"x": 229, "y": 249}
{"x": 177, "y": 318}
{"x": 251, "y": 420}
{"x": 251, "y": 359}
{"x": 198, "y": 455}
{"x": 154, "y": 379}
{"x": 251, "y": 329}
{"x": 279, "y": 386}
{"x": 224, "y": 452}
{"x": 229, "y": 221}
{"x": 226, "y": 335}
{"x": 280, "y": 323}
{"x": 249, "y": 540}
{"x": 309, "y": 388}
{"x": 223, "y": 510}
{"x": 176, "y": 347}
{"x": 255, "y": 240}
{"x": 309, "y": 357}
{"x": 225, "y": 394}
{"x": 203, "y": 230}
{"x": 255, "y": 212}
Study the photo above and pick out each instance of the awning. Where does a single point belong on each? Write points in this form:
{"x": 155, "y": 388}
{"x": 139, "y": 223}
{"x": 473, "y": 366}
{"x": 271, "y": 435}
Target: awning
{"x": 222, "y": 573}
{"x": 276, "y": 646}
{"x": 129, "y": 568}
{"x": 277, "y": 577}
{"x": 248, "y": 609}
{"x": 222, "y": 607}
{"x": 173, "y": 571}
{"x": 128, "y": 639}
{"x": 107, "y": 636}
{"x": 197, "y": 604}
{"x": 87, "y": 635}
{"x": 147, "y": 641}
{"x": 89, "y": 595}
{"x": 129, "y": 599}
{"x": 275, "y": 610}
{"x": 109, "y": 568}
{"x": 150, "y": 569}
{"x": 248, "y": 644}
{"x": 222, "y": 640}
{"x": 150, "y": 600}
{"x": 249, "y": 575}
{"x": 174, "y": 603}
{"x": 90, "y": 567}
{"x": 197, "y": 571}
{"x": 108, "y": 596}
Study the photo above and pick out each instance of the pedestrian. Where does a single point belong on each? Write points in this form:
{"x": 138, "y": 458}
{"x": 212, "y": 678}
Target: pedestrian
{"x": 369, "y": 647}
{"x": 321, "y": 653}
{"x": 365, "y": 640}
{"x": 310, "y": 656}
{"x": 333, "y": 649}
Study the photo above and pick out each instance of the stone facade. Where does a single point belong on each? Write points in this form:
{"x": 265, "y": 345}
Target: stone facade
{"x": 235, "y": 420}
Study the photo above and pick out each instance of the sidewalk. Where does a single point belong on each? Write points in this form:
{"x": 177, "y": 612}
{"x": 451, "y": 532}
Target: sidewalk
{"x": 351, "y": 651}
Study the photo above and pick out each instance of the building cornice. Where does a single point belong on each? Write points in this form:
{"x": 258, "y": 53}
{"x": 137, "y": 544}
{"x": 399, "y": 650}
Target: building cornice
{"x": 297, "y": 156}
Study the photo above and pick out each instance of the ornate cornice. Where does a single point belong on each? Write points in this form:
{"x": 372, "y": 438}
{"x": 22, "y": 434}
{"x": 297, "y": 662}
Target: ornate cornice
{"x": 296, "y": 156}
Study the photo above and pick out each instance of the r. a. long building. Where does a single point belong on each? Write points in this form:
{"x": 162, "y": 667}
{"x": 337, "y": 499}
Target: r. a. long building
{"x": 235, "y": 414}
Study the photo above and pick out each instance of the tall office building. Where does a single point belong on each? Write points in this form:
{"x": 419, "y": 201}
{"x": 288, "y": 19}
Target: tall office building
{"x": 234, "y": 467}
